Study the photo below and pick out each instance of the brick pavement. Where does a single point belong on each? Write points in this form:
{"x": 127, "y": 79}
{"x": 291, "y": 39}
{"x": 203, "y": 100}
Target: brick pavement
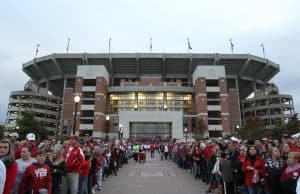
{"x": 152, "y": 177}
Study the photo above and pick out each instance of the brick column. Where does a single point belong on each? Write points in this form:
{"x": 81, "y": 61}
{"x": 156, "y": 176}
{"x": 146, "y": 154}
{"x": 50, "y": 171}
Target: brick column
{"x": 224, "y": 105}
{"x": 201, "y": 101}
{"x": 68, "y": 110}
{"x": 100, "y": 104}
{"x": 234, "y": 109}
{"x": 78, "y": 91}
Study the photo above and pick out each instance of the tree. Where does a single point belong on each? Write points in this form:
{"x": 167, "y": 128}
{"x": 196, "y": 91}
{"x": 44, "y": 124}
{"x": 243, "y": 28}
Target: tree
{"x": 279, "y": 129}
{"x": 198, "y": 131}
{"x": 293, "y": 125}
{"x": 1, "y": 131}
{"x": 254, "y": 129}
{"x": 28, "y": 124}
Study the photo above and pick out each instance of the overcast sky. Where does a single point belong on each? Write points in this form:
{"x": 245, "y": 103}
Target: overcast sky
{"x": 208, "y": 24}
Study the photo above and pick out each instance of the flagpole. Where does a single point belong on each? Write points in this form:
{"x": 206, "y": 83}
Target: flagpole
{"x": 109, "y": 44}
{"x": 189, "y": 45}
{"x": 151, "y": 45}
{"x": 263, "y": 49}
{"x": 37, "y": 49}
{"x": 68, "y": 44}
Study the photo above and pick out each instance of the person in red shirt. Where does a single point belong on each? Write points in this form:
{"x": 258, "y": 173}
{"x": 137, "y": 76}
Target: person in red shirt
{"x": 8, "y": 159}
{"x": 152, "y": 149}
{"x": 37, "y": 177}
{"x": 29, "y": 142}
{"x": 84, "y": 174}
{"x": 73, "y": 157}
{"x": 254, "y": 168}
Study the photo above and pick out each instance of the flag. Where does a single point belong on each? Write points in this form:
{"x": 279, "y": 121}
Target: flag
{"x": 189, "y": 44}
{"x": 68, "y": 45}
{"x": 231, "y": 44}
{"x": 109, "y": 45}
{"x": 37, "y": 49}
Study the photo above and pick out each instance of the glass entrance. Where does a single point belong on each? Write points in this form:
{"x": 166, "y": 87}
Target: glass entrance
{"x": 150, "y": 129}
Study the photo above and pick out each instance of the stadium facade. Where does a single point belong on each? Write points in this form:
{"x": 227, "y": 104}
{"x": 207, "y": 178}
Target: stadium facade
{"x": 151, "y": 94}
{"x": 46, "y": 107}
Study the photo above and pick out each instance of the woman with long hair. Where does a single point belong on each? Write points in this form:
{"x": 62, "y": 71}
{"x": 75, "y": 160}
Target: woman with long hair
{"x": 291, "y": 174}
{"x": 8, "y": 158}
{"x": 254, "y": 169}
{"x": 275, "y": 166}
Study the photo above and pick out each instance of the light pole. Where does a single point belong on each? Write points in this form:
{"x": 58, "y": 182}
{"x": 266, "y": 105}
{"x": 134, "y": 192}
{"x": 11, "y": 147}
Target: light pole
{"x": 185, "y": 132}
{"x": 76, "y": 100}
{"x": 237, "y": 129}
{"x": 120, "y": 131}
{"x": 107, "y": 126}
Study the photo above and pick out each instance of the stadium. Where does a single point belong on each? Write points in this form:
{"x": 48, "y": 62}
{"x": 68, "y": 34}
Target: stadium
{"x": 151, "y": 94}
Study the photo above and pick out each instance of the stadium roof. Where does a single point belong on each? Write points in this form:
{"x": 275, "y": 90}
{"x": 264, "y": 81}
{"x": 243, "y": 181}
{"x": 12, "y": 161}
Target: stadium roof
{"x": 57, "y": 66}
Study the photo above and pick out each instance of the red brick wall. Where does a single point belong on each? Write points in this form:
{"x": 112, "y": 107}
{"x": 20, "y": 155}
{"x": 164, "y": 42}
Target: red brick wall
{"x": 201, "y": 100}
{"x": 224, "y": 105}
{"x": 234, "y": 110}
{"x": 100, "y": 104}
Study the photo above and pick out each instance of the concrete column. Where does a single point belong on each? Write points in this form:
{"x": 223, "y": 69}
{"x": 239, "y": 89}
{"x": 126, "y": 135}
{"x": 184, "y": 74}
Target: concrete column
{"x": 78, "y": 92}
{"x": 254, "y": 87}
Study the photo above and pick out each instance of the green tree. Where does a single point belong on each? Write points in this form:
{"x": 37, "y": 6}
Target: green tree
{"x": 293, "y": 125}
{"x": 253, "y": 129}
{"x": 278, "y": 129}
{"x": 198, "y": 131}
{"x": 1, "y": 131}
{"x": 28, "y": 124}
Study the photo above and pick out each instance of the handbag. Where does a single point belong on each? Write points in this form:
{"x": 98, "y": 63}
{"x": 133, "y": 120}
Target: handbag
{"x": 255, "y": 178}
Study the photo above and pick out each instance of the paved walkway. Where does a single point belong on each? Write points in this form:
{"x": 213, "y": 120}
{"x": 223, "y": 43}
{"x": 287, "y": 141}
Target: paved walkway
{"x": 153, "y": 177}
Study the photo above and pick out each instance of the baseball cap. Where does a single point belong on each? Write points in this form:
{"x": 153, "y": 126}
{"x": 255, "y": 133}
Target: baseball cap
{"x": 235, "y": 139}
{"x": 285, "y": 135}
{"x": 14, "y": 134}
{"x": 30, "y": 137}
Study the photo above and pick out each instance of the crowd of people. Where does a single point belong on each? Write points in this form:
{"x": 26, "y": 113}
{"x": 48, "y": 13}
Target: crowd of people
{"x": 75, "y": 166}
{"x": 235, "y": 166}
{"x": 80, "y": 165}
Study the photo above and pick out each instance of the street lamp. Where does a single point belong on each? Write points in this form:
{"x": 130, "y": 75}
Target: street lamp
{"x": 76, "y": 100}
{"x": 237, "y": 129}
{"x": 120, "y": 131}
{"x": 17, "y": 128}
{"x": 185, "y": 132}
{"x": 107, "y": 126}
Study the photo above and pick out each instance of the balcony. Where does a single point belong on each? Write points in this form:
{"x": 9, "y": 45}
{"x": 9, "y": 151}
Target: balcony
{"x": 212, "y": 89}
{"x": 214, "y": 107}
{"x": 86, "y": 126}
{"x": 88, "y": 88}
{"x": 87, "y": 107}
{"x": 215, "y": 128}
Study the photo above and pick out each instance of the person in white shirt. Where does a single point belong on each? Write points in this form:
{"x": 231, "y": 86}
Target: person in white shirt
{"x": 23, "y": 162}
{"x": 166, "y": 151}
{"x": 2, "y": 176}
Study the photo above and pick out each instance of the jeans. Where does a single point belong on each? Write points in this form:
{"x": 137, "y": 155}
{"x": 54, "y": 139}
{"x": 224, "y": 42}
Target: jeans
{"x": 72, "y": 180}
{"x": 254, "y": 190}
{"x": 83, "y": 185}
{"x": 152, "y": 154}
{"x": 99, "y": 178}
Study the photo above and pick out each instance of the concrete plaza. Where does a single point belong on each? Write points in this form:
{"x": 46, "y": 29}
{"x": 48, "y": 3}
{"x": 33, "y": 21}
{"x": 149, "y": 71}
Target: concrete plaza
{"x": 153, "y": 177}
